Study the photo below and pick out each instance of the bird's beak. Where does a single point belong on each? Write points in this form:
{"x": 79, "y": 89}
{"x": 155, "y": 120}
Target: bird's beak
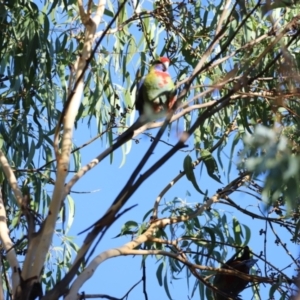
{"x": 166, "y": 64}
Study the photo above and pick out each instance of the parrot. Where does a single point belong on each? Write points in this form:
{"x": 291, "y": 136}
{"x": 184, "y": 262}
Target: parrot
{"x": 230, "y": 284}
{"x": 155, "y": 96}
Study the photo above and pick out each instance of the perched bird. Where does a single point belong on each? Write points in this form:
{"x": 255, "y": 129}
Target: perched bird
{"x": 156, "y": 91}
{"x": 230, "y": 284}
{"x": 156, "y": 95}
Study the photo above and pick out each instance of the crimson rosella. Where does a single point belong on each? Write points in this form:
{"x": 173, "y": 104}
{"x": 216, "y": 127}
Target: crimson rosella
{"x": 233, "y": 285}
{"x": 156, "y": 95}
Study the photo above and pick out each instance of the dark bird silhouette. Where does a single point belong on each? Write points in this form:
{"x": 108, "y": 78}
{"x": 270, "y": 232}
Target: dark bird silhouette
{"x": 232, "y": 285}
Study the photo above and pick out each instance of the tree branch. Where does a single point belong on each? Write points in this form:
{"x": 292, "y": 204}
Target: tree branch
{"x": 8, "y": 247}
{"x": 11, "y": 178}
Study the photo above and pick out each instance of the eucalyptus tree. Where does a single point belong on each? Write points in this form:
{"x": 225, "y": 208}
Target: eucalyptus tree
{"x": 68, "y": 64}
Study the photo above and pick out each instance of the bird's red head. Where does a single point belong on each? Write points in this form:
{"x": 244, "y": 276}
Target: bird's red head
{"x": 165, "y": 61}
{"x": 162, "y": 63}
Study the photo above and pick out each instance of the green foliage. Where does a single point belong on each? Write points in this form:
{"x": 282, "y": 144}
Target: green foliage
{"x": 269, "y": 153}
{"x": 210, "y": 164}
{"x": 237, "y": 70}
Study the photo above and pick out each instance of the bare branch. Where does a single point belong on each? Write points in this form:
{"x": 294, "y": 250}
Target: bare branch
{"x": 8, "y": 247}
{"x": 11, "y": 178}
{"x": 67, "y": 118}
{"x": 183, "y": 173}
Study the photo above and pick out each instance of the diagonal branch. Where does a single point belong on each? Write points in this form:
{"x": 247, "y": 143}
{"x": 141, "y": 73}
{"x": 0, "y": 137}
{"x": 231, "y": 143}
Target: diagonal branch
{"x": 8, "y": 246}
{"x": 34, "y": 261}
{"x": 11, "y": 178}
{"x": 183, "y": 173}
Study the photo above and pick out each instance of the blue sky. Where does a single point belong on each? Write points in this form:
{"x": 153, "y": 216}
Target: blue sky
{"x": 115, "y": 276}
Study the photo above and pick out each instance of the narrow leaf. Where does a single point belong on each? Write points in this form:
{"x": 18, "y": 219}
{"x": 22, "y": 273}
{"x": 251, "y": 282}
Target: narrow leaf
{"x": 167, "y": 287}
{"x": 210, "y": 164}
{"x": 189, "y": 172}
{"x": 159, "y": 273}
